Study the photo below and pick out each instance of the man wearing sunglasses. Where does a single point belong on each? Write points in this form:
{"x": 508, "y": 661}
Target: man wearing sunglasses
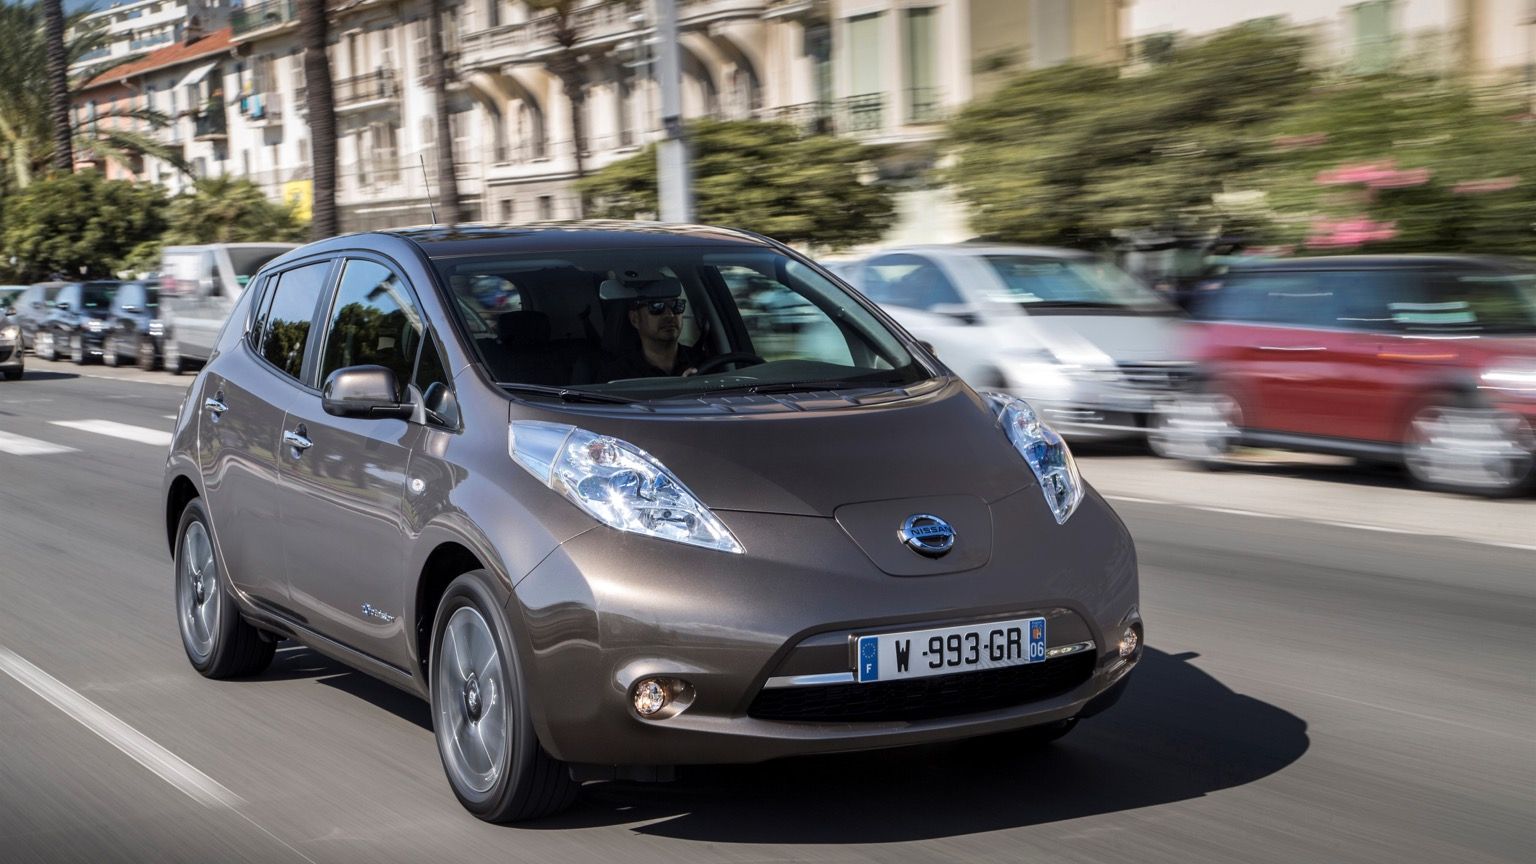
{"x": 659, "y": 323}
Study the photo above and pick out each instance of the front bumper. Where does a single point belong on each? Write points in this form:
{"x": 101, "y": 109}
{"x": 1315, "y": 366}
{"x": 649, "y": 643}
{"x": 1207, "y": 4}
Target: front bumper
{"x": 1106, "y": 403}
{"x": 607, "y": 609}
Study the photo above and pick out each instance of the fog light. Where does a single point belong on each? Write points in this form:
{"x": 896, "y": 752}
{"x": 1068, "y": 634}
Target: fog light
{"x": 651, "y": 695}
{"x": 1128, "y": 642}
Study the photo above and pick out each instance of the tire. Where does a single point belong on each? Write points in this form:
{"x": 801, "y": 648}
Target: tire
{"x": 77, "y": 352}
{"x": 43, "y": 346}
{"x": 13, "y": 374}
{"x": 109, "y": 351}
{"x": 1453, "y": 443}
{"x": 511, "y": 777}
{"x": 1202, "y": 428}
{"x": 171, "y": 358}
{"x": 219, "y": 643}
{"x": 145, "y": 354}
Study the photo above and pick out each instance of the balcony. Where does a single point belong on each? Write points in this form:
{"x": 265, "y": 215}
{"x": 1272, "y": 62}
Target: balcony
{"x": 861, "y": 115}
{"x": 262, "y": 110}
{"x": 596, "y": 26}
{"x": 925, "y": 105}
{"x": 266, "y": 15}
{"x": 209, "y": 125}
{"x": 811, "y": 118}
{"x": 369, "y": 90}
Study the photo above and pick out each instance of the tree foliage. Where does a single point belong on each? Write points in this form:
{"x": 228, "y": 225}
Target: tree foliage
{"x": 220, "y": 210}
{"x": 763, "y": 177}
{"x": 78, "y": 224}
{"x": 1072, "y": 153}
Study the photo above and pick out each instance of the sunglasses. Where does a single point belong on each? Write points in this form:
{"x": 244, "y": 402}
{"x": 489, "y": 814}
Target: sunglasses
{"x": 657, "y": 307}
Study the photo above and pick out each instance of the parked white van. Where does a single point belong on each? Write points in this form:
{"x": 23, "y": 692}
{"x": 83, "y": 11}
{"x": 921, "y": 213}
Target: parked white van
{"x": 199, "y": 285}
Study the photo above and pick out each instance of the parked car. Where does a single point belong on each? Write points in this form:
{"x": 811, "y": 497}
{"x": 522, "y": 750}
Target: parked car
{"x": 199, "y": 287}
{"x": 32, "y": 307}
{"x": 598, "y": 576}
{"x": 133, "y": 327}
{"x": 1430, "y": 361}
{"x": 1093, "y": 350}
{"x": 12, "y": 361}
{"x": 74, "y": 327}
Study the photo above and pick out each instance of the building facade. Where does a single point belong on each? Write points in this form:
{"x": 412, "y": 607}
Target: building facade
{"x": 136, "y": 28}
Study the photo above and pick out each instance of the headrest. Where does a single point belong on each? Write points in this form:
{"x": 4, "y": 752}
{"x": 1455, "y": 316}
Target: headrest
{"x": 523, "y": 329}
{"x": 664, "y": 288}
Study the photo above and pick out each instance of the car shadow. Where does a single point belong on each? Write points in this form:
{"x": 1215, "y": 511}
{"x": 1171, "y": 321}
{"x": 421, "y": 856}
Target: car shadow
{"x": 294, "y": 661}
{"x": 33, "y": 375}
{"x": 1177, "y": 734}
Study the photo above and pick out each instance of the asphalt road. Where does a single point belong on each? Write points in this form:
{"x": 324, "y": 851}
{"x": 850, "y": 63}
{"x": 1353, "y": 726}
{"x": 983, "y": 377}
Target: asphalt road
{"x": 1316, "y": 689}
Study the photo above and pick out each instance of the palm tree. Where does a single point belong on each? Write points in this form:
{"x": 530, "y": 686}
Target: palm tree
{"x": 569, "y": 66}
{"x": 58, "y": 86}
{"x": 437, "y": 79}
{"x": 314, "y": 30}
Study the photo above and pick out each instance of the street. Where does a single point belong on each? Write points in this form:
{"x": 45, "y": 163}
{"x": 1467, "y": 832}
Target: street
{"x": 1338, "y": 670}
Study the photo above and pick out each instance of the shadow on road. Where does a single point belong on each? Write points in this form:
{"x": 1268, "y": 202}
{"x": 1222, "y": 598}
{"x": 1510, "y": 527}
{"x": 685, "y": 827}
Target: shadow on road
{"x": 33, "y": 375}
{"x": 294, "y": 661}
{"x": 1177, "y": 734}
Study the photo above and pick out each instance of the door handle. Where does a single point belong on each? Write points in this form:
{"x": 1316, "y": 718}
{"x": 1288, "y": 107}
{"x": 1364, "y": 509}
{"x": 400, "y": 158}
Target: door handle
{"x": 296, "y": 439}
{"x": 215, "y": 403}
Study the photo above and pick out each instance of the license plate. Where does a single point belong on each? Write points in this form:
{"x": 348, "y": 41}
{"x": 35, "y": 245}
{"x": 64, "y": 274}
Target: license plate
{"x": 945, "y": 650}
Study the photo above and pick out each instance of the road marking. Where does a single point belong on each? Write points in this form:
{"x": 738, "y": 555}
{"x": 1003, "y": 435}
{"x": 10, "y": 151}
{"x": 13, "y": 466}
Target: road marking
{"x": 141, "y": 434}
{"x": 135, "y": 744}
{"x": 20, "y": 445}
{"x": 169, "y": 416}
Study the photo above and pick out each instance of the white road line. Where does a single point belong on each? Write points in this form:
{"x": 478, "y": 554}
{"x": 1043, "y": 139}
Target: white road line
{"x": 169, "y": 416}
{"x": 20, "y": 445}
{"x": 141, "y": 434}
{"x": 135, "y": 744}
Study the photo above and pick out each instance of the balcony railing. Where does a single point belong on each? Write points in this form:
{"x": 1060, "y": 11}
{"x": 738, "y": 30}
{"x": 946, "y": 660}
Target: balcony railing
{"x": 924, "y": 105}
{"x": 862, "y": 114}
{"x": 150, "y": 41}
{"x": 369, "y": 87}
{"x": 259, "y": 16}
{"x": 811, "y": 118}
{"x": 209, "y": 124}
{"x": 262, "y": 108}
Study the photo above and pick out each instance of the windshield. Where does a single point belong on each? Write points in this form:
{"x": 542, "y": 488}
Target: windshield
{"x": 666, "y": 323}
{"x": 97, "y": 296}
{"x": 1070, "y": 282}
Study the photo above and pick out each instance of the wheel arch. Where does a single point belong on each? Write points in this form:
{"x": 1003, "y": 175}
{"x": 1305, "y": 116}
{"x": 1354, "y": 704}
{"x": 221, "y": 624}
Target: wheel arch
{"x": 447, "y": 561}
{"x": 181, "y": 492}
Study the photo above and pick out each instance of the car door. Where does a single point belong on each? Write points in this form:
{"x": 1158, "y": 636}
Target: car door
{"x": 344, "y": 478}
{"x": 242, "y": 401}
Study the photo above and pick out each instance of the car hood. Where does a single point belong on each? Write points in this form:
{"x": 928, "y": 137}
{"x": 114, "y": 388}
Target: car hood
{"x": 812, "y": 458}
{"x": 1103, "y": 340}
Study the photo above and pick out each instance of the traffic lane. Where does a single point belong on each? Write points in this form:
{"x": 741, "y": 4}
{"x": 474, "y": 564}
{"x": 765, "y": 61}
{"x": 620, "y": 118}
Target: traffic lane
{"x": 62, "y": 392}
{"x": 69, "y": 795}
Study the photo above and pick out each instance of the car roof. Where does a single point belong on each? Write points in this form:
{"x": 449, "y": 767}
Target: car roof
{"x": 1378, "y": 262}
{"x": 440, "y": 241}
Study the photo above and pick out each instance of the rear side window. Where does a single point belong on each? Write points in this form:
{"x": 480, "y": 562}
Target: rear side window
{"x": 373, "y": 322}
{"x": 286, "y": 324}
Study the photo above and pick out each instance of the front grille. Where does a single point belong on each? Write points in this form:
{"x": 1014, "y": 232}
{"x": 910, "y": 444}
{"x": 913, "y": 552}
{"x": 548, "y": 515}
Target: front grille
{"x": 1158, "y": 376}
{"x": 926, "y": 698}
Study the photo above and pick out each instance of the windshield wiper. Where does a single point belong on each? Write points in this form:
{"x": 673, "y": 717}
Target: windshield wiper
{"x": 565, "y": 394}
{"x": 796, "y": 387}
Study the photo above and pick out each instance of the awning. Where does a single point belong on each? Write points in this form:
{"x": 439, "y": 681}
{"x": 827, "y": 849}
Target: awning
{"x": 196, "y": 75}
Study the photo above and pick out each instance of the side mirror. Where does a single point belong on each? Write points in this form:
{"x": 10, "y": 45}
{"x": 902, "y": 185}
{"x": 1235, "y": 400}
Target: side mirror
{"x": 928, "y": 346}
{"x": 364, "y": 391}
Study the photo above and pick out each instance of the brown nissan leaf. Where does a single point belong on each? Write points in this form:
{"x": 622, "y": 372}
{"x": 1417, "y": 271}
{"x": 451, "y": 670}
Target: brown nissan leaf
{"x": 558, "y": 481}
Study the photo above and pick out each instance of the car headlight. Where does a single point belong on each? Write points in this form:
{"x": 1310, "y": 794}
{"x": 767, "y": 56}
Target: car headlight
{"x": 8, "y": 333}
{"x": 1513, "y": 375}
{"x": 1045, "y": 452}
{"x": 617, "y": 483}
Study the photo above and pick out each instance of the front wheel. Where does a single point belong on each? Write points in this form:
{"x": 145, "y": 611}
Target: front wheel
{"x": 43, "y": 346}
{"x": 171, "y": 357}
{"x": 219, "y": 643}
{"x": 109, "y": 351}
{"x": 1203, "y": 428}
{"x": 146, "y": 354}
{"x": 495, "y": 764}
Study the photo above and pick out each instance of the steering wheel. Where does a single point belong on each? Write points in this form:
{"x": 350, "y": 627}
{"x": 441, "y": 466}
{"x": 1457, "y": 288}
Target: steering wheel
{"x": 715, "y": 363}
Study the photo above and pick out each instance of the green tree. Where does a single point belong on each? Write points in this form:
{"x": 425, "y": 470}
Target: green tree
{"x": 763, "y": 177}
{"x": 220, "y": 210}
{"x": 1073, "y": 153}
{"x": 79, "y": 224}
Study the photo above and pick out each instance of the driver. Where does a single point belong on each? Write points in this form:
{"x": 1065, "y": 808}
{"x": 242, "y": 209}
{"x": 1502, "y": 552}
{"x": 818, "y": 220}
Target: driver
{"x": 659, "y": 322}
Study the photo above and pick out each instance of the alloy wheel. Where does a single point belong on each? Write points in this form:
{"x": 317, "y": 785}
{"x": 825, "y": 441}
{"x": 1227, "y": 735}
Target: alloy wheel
{"x": 1470, "y": 449}
{"x": 471, "y": 702}
{"x": 198, "y": 593}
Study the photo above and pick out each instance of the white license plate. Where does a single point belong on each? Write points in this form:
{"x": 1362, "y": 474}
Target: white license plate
{"x": 945, "y": 650}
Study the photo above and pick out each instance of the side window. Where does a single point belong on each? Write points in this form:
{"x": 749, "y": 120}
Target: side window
{"x": 373, "y": 322}
{"x": 285, "y": 331}
{"x": 1367, "y": 298}
{"x": 1300, "y": 301}
{"x": 908, "y": 280}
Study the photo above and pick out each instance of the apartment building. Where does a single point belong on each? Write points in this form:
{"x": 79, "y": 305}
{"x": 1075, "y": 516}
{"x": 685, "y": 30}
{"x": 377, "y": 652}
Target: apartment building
{"x": 183, "y": 83}
{"x": 135, "y": 28}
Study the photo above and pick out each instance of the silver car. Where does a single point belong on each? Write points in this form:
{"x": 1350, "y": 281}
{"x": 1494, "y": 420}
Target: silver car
{"x": 606, "y": 529}
{"x": 1095, "y": 351}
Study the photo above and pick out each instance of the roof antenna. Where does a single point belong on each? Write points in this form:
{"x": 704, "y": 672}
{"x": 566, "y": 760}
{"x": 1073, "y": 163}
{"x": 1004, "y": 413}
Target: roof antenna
{"x": 428, "y": 181}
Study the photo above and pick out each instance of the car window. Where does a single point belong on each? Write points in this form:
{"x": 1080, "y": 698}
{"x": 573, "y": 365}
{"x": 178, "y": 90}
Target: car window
{"x": 97, "y": 296}
{"x": 614, "y": 320}
{"x": 373, "y": 322}
{"x": 1485, "y": 302}
{"x": 1037, "y": 282}
{"x": 285, "y": 329}
{"x": 783, "y": 323}
{"x": 911, "y": 281}
{"x": 1292, "y": 299}
{"x": 1367, "y": 299}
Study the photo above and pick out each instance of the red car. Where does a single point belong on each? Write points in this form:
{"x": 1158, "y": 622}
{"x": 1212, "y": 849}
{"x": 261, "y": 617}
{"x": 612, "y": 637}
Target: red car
{"x": 1427, "y": 360}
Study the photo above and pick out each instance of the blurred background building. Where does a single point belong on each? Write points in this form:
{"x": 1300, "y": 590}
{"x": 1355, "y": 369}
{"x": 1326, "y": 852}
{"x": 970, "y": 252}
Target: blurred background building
{"x": 134, "y": 29}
